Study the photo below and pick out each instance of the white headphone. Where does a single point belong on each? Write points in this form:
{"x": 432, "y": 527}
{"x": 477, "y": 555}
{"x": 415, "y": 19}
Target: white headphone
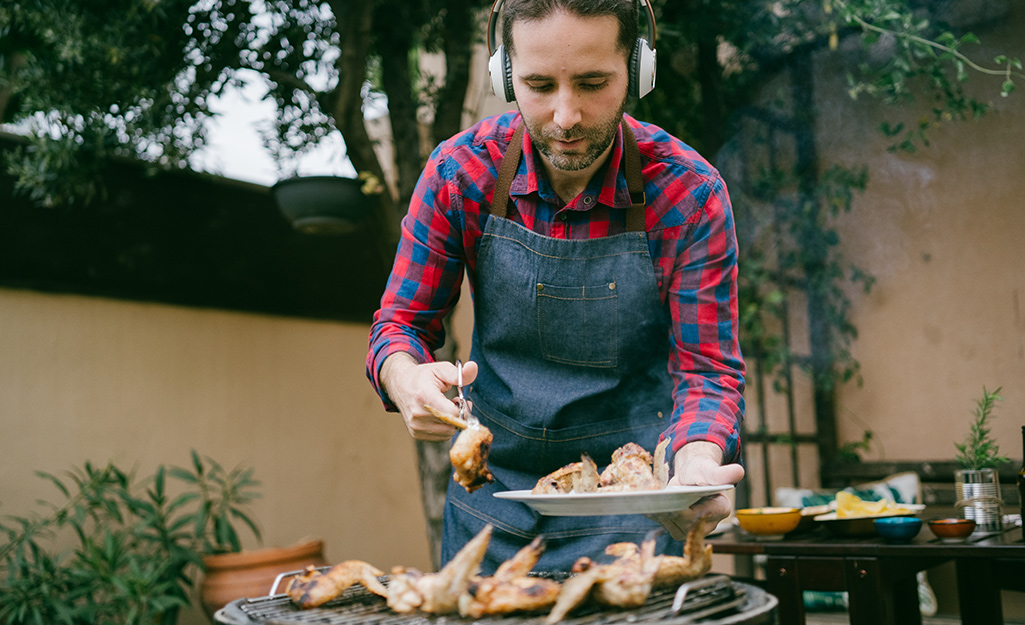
{"x": 641, "y": 65}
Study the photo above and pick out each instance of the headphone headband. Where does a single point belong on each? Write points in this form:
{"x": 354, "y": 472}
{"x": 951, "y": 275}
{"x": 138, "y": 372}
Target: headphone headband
{"x": 641, "y": 64}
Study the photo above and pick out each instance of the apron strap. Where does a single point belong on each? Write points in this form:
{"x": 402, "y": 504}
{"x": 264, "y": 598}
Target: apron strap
{"x": 506, "y": 173}
{"x": 634, "y": 180}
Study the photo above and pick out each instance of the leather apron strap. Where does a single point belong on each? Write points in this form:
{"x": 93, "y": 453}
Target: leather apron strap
{"x": 634, "y": 180}
{"x": 506, "y": 173}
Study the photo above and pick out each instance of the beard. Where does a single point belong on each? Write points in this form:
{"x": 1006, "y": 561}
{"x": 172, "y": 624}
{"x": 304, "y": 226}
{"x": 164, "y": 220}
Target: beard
{"x": 596, "y": 139}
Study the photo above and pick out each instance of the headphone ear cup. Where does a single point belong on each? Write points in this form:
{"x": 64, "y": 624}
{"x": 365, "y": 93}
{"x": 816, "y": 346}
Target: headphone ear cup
{"x": 632, "y": 69}
{"x": 500, "y": 70}
{"x": 642, "y": 69}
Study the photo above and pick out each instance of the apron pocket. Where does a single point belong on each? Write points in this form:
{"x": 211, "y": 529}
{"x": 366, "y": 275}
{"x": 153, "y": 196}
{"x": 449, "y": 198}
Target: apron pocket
{"x": 577, "y": 325}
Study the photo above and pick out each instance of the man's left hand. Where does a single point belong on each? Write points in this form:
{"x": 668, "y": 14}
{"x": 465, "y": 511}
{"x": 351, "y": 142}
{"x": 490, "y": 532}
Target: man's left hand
{"x": 700, "y": 464}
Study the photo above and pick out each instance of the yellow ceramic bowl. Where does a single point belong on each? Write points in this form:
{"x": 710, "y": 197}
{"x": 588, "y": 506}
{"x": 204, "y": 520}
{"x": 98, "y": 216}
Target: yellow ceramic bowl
{"x": 769, "y": 521}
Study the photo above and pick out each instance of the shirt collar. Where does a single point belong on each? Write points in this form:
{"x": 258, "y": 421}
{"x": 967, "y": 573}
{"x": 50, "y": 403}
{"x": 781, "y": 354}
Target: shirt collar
{"x": 531, "y": 176}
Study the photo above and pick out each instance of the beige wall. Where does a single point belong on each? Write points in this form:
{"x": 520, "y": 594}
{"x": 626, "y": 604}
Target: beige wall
{"x": 141, "y": 384}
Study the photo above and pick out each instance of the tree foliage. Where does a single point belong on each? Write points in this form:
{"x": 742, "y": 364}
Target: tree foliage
{"x": 100, "y": 80}
{"x": 136, "y": 78}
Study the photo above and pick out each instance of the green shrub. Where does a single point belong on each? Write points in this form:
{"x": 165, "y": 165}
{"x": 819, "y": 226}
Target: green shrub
{"x": 135, "y": 544}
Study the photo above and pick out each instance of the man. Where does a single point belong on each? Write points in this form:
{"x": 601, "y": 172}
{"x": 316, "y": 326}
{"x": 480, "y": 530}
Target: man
{"x": 601, "y": 316}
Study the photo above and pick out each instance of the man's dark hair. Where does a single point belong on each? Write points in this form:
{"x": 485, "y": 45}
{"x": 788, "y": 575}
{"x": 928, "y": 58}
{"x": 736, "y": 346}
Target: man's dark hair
{"x": 625, "y": 11}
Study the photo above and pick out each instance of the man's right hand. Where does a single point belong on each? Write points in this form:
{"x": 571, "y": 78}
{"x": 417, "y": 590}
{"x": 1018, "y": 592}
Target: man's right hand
{"x": 411, "y": 386}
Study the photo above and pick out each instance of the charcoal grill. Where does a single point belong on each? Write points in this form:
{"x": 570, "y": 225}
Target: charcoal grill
{"x": 714, "y": 600}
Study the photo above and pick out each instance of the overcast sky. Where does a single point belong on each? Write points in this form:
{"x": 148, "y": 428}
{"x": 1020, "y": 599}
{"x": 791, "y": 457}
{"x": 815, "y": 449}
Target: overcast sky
{"x": 236, "y": 151}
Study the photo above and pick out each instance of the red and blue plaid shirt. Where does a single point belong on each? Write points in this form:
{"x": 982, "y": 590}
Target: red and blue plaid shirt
{"x": 689, "y": 223}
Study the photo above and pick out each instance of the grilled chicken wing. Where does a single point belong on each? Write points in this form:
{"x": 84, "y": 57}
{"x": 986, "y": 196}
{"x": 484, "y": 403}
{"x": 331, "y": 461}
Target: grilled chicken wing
{"x": 404, "y": 593}
{"x": 469, "y": 452}
{"x": 438, "y": 593}
{"x": 628, "y": 580}
{"x": 625, "y": 583}
{"x": 314, "y": 587}
{"x": 575, "y": 591}
{"x": 630, "y": 470}
{"x": 673, "y": 570}
{"x": 696, "y": 560}
{"x": 576, "y": 477}
{"x": 469, "y": 456}
{"x": 510, "y": 589}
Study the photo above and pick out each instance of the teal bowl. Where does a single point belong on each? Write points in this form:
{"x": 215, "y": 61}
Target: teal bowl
{"x": 898, "y": 529}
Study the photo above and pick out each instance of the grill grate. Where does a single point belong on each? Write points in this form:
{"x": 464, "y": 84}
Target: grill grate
{"x": 358, "y": 606}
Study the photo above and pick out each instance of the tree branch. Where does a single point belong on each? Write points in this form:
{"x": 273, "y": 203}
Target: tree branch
{"x": 458, "y": 34}
{"x": 1006, "y": 72}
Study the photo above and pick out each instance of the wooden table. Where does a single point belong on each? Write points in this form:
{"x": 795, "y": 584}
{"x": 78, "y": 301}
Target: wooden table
{"x": 880, "y": 577}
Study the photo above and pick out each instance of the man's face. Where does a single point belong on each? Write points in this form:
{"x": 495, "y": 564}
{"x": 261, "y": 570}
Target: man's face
{"x": 570, "y": 80}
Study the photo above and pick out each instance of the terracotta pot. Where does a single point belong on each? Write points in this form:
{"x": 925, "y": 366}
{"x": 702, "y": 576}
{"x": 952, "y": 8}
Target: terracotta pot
{"x": 231, "y": 576}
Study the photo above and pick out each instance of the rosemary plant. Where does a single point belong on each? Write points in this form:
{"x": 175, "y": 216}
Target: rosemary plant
{"x": 979, "y": 450}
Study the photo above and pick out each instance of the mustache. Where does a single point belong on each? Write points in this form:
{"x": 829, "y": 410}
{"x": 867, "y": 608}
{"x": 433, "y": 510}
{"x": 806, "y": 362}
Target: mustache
{"x": 566, "y": 135}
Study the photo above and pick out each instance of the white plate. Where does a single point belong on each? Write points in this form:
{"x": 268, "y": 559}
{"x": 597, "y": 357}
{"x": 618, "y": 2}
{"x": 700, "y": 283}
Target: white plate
{"x": 722, "y": 526}
{"x": 670, "y": 499}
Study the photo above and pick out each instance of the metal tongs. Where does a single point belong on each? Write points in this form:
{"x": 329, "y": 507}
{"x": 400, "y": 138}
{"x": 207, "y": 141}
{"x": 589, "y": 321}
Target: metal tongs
{"x": 464, "y": 406}
{"x": 466, "y": 418}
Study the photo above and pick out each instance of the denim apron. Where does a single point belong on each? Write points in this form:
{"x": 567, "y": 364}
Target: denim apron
{"x": 571, "y": 340}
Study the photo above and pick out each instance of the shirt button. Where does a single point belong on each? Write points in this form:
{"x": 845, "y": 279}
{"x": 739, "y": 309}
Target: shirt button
{"x": 562, "y": 216}
{"x": 588, "y": 200}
